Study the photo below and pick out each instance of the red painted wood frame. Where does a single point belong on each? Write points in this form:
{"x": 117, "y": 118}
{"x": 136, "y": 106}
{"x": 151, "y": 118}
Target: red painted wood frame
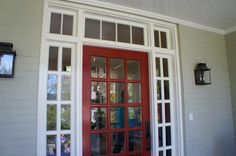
{"x": 88, "y": 53}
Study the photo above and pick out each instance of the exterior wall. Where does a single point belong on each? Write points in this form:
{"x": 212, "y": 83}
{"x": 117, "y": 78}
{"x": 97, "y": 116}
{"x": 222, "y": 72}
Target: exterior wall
{"x": 210, "y": 133}
{"x": 20, "y": 23}
{"x": 231, "y": 51}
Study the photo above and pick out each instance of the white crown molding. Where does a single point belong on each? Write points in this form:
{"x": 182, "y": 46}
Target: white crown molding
{"x": 147, "y": 14}
{"x": 230, "y": 30}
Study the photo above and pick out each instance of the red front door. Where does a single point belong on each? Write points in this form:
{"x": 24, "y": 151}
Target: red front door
{"x": 115, "y": 103}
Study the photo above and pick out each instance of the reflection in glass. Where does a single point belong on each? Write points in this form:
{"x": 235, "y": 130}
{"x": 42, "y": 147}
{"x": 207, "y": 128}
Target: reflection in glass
{"x": 66, "y": 59}
{"x": 55, "y": 24}
{"x": 117, "y": 94}
{"x": 65, "y": 117}
{"x": 134, "y": 93}
{"x": 166, "y": 89}
{"x": 116, "y": 69}
{"x": 168, "y": 136}
{"x": 137, "y": 35}
{"x": 98, "y": 144}
{"x": 168, "y": 152}
{"x": 98, "y": 67}
{"x": 118, "y": 142}
{"x": 163, "y": 40}
{"x": 159, "y": 96}
{"x": 108, "y": 31}
{"x": 159, "y": 107}
{"x": 51, "y": 117}
{"x": 133, "y": 70}
{"x": 53, "y": 58}
{"x": 117, "y": 117}
{"x": 67, "y": 25}
{"x": 51, "y": 145}
{"x": 160, "y": 136}
{"x": 167, "y": 112}
{"x": 160, "y": 153}
{"x": 65, "y": 145}
{"x": 156, "y": 38}
{"x": 165, "y": 67}
{"x": 92, "y": 28}
{"x": 65, "y": 87}
{"x": 135, "y": 117}
{"x": 98, "y": 92}
{"x": 158, "y": 68}
{"x": 52, "y": 87}
{"x": 135, "y": 140}
{"x": 123, "y": 33}
{"x": 98, "y": 118}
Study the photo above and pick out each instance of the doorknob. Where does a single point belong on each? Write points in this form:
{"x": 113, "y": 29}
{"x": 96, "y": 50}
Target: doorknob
{"x": 148, "y": 135}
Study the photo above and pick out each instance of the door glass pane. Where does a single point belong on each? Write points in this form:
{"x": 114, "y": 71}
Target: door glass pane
{"x": 98, "y": 144}
{"x": 65, "y": 144}
{"x": 156, "y": 38}
{"x": 108, "y": 31}
{"x": 116, "y": 69}
{"x": 133, "y": 70}
{"x": 166, "y": 89}
{"x": 117, "y": 142}
{"x": 137, "y": 35}
{"x": 165, "y": 67}
{"x": 168, "y": 152}
{"x": 168, "y": 136}
{"x": 51, "y": 145}
{"x": 135, "y": 140}
{"x": 167, "y": 112}
{"x": 67, "y": 28}
{"x": 52, "y": 87}
{"x": 159, "y": 96}
{"x": 53, "y": 58}
{"x": 123, "y": 33}
{"x": 55, "y": 24}
{"x": 98, "y": 92}
{"x": 66, "y": 60}
{"x": 158, "y": 68}
{"x": 65, "y": 117}
{"x": 160, "y": 153}
{"x": 159, "y": 107}
{"x": 92, "y": 28}
{"x": 98, "y": 67}
{"x": 98, "y": 118}
{"x": 134, "y": 93}
{"x": 135, "y": 117}
{"x": 160, "y": 136}
{"x": 51, "y": 117}
{"x": 163, "y": 40}
{"x": 117, "y": 117}
{"x": 65, "y": 87}
{"x": 117, "y": 93}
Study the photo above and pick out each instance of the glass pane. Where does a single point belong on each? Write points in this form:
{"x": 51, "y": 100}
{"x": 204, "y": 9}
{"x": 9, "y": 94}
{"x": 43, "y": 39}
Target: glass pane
{"x": 67, "y": 25}
{"x": 160, "y": 136}
{"x": 116, "y": 69}
{"x": 51, "y": 145}
{"x": 98, "y": 92}
{"x": 117, "y": 93}
{"x": 65, "y": 144}
{"x": 159, "y": 107}
{"x": 160, "y": 153}
{"x": 117, "y": 142}
{"x": 52, "y": 87}
{"x": 123, "y": 33}
{"x": 65, "y": 117}
{"x": 168, "y": 136}
{"x": 98, "y": 67}
{"x": 163, "y": 40}
{"x": 65, "y": 87}
{"x": 134, "y": 93}
{"x": 117, "y": 117}
{"x": 135, "y": 140}
{"x": 158, "y": 68}
{"x": 167, "y": 112}
{"x": 98, "y": 144}
{"x": 168, "y": 152}
{"x": 135, "y": 117}
{"x": 159, "y": 90}
{"x": 133, "y": 70}
{"x": 51, "y": 117}
{"x": 166, "y": 89}
{"x": 66, "y": 59}
{"x": 98, "y": 118}
{"x": 55, "y": 24}
{"x": 137, "y": 35}
{"x": 53, "y": 58}
{"x": 108, "y": 31}
{"x": 165, "y": 67}
{"x": 156, "y": 38}
{"x": 92, "y": 28}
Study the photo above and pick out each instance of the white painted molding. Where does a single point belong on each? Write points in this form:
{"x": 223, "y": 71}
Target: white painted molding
{"x": 146, "y": 14}
{"x": 230, "y": 30}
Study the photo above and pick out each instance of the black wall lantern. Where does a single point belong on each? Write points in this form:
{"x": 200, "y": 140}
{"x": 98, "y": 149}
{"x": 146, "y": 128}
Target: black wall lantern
{"x": 7, "y": 60}
{"x": 202, "y": 74}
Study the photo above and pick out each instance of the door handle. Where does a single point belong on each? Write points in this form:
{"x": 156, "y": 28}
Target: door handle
{"x": 148, "y": 135}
